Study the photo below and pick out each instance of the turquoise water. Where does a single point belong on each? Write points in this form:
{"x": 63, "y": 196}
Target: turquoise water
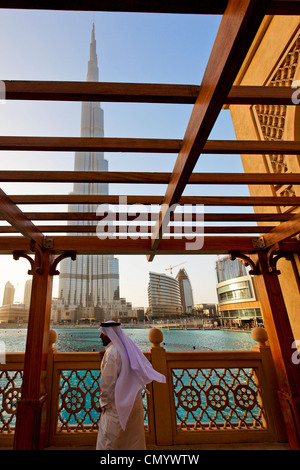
{"x": 87, "y": 339}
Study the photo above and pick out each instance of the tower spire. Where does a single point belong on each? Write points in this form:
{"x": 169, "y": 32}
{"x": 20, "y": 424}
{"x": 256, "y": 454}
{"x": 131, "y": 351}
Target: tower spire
{"x": 93, "y": 72}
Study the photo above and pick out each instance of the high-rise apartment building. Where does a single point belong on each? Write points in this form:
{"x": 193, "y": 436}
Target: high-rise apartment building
{"x": 91, "y": 280}
{"x": 164, "y": 296}
{"x": 9, "y": 294}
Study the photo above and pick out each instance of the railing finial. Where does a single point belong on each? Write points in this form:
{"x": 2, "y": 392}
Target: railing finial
{"x": 156, "y": 337}
{"x": 259, "y": 335}
{"x": 52, "y": 337}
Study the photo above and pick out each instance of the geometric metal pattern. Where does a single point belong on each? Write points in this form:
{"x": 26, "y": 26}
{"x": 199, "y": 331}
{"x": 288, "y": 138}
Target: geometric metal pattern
{"x": 78, "y": 408}
{"x": 217, "y": 398}
{"x": 10, "y": 393}
{"x": 78, "y": 401}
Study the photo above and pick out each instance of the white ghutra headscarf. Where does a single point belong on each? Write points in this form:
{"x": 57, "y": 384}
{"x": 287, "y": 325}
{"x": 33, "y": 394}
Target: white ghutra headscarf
{"x": 136, "y": 371}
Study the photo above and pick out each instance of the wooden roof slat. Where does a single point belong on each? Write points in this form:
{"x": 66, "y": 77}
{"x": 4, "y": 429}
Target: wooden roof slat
{"x": 146, "y": 177}
{"x": 185, "y": 230}
{"x": 149, "y": 200}
{"x": 147, "y": 216}
{"x": 140, "y": 145}
{"x": 90, "y": 144}
{"x": 237, "y": 30}
{"x": 139, "y": 92}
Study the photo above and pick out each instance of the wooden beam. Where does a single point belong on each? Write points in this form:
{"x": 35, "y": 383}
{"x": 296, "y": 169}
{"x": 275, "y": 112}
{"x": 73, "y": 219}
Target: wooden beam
{"x": 89, "y": 144}
{"x": 238, "y": 27}
{"x": 264, "y": 95}
{"x": 184, "y": 230}
{"x": 13, "y": 215}
{"x": 148, "y": 216}
{"x": 107, "y": 144}
{"x": 142, "y": 246}
{"x": 285, "y": 230}
{"x": 200, "y": 7}
{"x": 213, "y": 245}
{"x": 146, "y": 177}
{"x": 149, "y": 200}
{"x": 248, "y": 147}
{"x": 139, "y": 92}
{"x": 100, "y": 91}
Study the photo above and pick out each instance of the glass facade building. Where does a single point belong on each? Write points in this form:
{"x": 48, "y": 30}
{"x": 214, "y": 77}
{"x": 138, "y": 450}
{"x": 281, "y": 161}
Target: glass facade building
{"x": 164, "y": 296}
{"x": 238, "y": 302}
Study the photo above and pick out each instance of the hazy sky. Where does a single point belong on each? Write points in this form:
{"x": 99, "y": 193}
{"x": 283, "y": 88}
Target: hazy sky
{"x": 131, "y": 48}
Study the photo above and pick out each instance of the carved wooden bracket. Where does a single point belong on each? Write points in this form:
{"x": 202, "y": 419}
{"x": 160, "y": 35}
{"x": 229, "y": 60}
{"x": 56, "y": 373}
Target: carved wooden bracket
{"x": 67, "y": 254}
{"x": 247, "y": 261}
{"x": 274, "y": 254}
{"x": 34, "y": 263}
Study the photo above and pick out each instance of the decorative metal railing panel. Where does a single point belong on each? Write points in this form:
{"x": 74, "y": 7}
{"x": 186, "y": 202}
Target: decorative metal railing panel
{"x": 10, "y": 393}
{"x": 78, "y": 408}
{"x": 78, "y": 401}
{"x": 217, "y": 398}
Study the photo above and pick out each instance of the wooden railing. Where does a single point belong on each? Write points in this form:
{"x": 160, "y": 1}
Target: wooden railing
{"x": 220, "y": 396}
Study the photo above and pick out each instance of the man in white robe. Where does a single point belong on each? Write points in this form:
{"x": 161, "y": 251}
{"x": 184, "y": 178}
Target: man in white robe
{"x": 124, "y": 373}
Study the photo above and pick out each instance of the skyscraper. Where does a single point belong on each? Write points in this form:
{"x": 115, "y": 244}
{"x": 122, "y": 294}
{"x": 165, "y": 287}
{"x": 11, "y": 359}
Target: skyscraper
{"x": 9, "y": 294}
{"x": 186, "y": 292}
{"x": 27, "y": 292}
{"x": 91, "y": 280}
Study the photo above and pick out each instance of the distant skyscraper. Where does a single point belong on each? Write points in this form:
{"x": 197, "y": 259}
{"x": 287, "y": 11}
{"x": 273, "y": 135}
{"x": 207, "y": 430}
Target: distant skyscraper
{"x": 27, "y": 292}
{"x": 9, "y": 294}
{"x": 91, "y": 280}
{"x": 164, "y": 295}
{"x": 186, "y": 292}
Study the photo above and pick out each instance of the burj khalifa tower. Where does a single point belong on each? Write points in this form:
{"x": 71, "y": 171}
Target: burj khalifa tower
{"x": 90, "y": 280}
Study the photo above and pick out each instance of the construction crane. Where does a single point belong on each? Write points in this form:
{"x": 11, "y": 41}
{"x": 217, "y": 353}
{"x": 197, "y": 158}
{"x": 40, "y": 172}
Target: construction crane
{"x": 171, "y": 267}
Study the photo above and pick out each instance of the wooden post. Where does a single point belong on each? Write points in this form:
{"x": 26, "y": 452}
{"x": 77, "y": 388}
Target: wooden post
{"x": 30, "y": 422}
{"x": 270, "y": 387}
{"x": 281, "y": 340}
{"x": 161, "y": 397}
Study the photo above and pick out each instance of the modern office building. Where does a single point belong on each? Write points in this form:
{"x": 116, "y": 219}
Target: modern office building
{"x": 92, "y": 280}
{"x": 164, "y": 296}
{"x": 238, "y": 302}
{"x": 186, "y": 291}
{"x": 9, "y": 294}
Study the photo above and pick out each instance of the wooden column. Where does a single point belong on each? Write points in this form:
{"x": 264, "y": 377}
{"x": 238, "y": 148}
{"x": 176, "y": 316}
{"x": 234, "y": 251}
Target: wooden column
{"x": 161, "y": 391}
{"x": 281, "y": 340}
{"x": 30, "y": 423}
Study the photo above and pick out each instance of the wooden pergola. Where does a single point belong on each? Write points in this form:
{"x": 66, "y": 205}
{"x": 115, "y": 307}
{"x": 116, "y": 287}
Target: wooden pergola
{"x": 259, "y": 246}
